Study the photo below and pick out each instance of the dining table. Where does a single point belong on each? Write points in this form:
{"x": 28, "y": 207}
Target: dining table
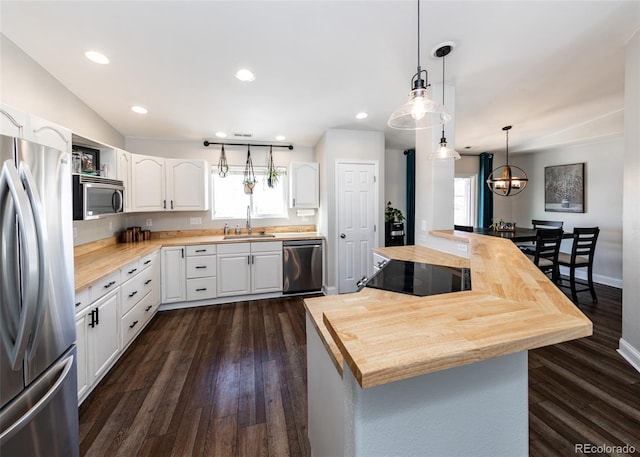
{"x": 518, "y": 235}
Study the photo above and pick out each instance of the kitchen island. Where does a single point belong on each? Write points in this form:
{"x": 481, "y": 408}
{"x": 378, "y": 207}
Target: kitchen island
{"x": 395, "y": 374}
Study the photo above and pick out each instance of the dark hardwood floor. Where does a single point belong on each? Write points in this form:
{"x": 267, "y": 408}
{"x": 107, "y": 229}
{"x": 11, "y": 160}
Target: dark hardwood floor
{"x": 230, "y": 380}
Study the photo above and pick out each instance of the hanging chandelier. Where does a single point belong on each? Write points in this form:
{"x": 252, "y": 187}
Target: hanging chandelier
{"x": 419, "y": 112}
{"x": 444, "y": 151}
{"x": 508, "y": 179}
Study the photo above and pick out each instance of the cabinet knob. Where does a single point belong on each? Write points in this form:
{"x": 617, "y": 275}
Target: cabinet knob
{"x": 342, "y": 235}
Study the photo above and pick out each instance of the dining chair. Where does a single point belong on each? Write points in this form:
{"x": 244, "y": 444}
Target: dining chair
{"x": 581, "y": 256}
{"x": 530, "y": 247}
{"x": 463, "y": 228}
{"x": 545, "y": 255}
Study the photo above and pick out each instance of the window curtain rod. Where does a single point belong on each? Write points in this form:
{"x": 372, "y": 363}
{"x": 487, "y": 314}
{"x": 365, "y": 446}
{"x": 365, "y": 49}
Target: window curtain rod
{"x": 288, "y": 146}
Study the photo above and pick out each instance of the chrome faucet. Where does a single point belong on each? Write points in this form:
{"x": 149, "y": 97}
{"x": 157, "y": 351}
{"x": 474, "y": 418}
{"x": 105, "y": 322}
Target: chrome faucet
{"x": 249, "y": 219}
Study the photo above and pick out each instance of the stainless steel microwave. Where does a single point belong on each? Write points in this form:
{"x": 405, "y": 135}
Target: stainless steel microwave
{"x": 95, "y": 197}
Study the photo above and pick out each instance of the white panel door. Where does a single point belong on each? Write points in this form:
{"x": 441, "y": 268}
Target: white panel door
{"x": 357, "y": 203}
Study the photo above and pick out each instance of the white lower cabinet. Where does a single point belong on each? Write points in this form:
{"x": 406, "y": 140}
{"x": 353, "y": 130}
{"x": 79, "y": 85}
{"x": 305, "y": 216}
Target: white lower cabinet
{"x": 105, "y": 312}
{"x": 140, "y": 298}
{"x": 173, "y": 274}
{"x": 102, "y": 334}
{"x": 201, "y": 272}
{"x": 266, "y": 267}
{"x": 249, "y": 268}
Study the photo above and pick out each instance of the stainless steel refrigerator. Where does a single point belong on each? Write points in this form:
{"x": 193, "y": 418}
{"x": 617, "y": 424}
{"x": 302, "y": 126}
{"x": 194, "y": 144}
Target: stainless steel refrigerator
{"x": 38, "y": 393}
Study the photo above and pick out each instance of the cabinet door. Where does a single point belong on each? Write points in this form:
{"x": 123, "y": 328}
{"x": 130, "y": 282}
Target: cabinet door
{"x": 234, "y": 274}
{"x": 103, "y": 342}
{"x": 12, "y": 121}
{"x": 266, "y": 274}
{"x": 187, "y": 185}
{"x": 147, "y": 183}
{"x": 304, "y": 185}
{"x": 52, "y": 135}
{"x": 81, "y": 352}
{"x": 123, "y": 173}
{"x": 173, "y": 275}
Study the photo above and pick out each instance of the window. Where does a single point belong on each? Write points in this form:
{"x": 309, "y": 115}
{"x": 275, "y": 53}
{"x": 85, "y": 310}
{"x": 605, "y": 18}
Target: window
{"x": 464, "y": 200}
{"x": 230, "y": 201}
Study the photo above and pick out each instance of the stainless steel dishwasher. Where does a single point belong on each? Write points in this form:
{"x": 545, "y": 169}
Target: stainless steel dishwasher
{"x": 301, "y": 266}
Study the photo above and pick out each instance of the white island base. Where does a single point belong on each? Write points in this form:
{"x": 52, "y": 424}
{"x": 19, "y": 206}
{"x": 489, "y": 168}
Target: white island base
{"x": 480, "y": 409}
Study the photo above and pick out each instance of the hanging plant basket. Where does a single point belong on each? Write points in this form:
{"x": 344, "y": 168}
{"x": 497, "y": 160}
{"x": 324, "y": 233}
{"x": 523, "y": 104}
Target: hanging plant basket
{"x": 273, "y": 175}
{"x": 249, "y": 181}
{"x": 223, "y": 166}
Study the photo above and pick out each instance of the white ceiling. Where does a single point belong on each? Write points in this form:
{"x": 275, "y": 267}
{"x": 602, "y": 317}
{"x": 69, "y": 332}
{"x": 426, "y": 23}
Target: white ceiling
{"x": 547, "y": 68}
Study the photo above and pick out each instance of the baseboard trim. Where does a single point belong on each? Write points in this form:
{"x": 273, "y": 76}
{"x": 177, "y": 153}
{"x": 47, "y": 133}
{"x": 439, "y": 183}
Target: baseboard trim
{"x": 630, "y": 354}
{"x": 600, "y": 279}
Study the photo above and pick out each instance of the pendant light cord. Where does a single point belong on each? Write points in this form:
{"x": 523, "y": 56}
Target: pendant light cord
{"x": 419, "y": 68}
{"x": 443, "y": 89}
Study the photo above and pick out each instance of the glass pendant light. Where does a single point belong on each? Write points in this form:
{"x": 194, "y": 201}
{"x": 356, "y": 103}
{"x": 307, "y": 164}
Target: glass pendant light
{"x": 444, "y": 151}
{"x": 508, "y": 179}
{"x": 419, "y": 112}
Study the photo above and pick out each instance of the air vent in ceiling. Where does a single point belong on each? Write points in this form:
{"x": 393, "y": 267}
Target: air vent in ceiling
{"x": 243, "y": 135}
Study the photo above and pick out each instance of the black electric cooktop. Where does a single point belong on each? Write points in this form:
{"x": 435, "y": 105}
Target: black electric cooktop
{"x": 420, "y": 279}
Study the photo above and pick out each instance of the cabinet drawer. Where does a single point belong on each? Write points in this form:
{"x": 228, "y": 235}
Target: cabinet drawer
{"x": 136, "y": 288}
{"x": 203, "y": 249}
{"x": 234, "y": 248}
{"x": 201, "y": 288}
{"x": 82, "y": 300}
{"x": 201, "y": 266}
{"x": 130, "y": 270}
{"x": 148, "y": 260}
{"x": 131, "y": 323}
{"x": 266, "y": 246}
{"x": 105, "y": 285}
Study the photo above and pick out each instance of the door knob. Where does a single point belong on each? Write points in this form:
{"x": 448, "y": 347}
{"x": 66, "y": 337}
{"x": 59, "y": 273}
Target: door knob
{"x": 342, "y": 235}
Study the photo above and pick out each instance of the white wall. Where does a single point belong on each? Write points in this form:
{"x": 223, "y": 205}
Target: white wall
{"x": 336, "y": 145}
{"x": 630, "y": 341}
{"x": 603, "y": 160}
{"x": 236, "y": 156}
{"x": 29, "y": 87}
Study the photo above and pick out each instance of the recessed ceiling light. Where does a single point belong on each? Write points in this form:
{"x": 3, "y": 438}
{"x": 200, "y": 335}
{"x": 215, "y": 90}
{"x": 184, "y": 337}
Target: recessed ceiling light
{"x": 221, "y": 134}
{"x": 361, "y": 116}
{"x": 281, "y": 137}
{"x": 96, "y": 57}
{"x": 245, "y": 75}
{"x": 139, "y": 109}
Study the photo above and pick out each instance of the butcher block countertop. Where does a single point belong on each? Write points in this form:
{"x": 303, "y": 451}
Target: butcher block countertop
{"x": 93, "y": 261}
{"x": 386, "y": 336}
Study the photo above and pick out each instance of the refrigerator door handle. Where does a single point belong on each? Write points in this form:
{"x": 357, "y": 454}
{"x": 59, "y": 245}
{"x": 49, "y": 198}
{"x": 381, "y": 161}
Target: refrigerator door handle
{"x": 62, "y": 370}
{"x": 10, "y": 180}
{"x": 42, "y": 243}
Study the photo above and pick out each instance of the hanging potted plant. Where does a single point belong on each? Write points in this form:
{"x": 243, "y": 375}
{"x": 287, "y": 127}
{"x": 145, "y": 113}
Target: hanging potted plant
{"x": 249, "y": 181}
{"x": 273, "y": 175}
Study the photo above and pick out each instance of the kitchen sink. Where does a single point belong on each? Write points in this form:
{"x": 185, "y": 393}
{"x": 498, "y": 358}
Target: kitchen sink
{"x": 249, "y": 237}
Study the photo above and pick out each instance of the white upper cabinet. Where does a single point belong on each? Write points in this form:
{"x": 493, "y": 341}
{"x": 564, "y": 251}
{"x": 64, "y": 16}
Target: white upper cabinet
{"x": 187, "y": 184}
{"x": 304, "y": 185}
{"x": 13, "y": 122}
{"x": 147, "y": 183}
{"x": 159, "y": 184}
{"x": 49, "y": 134}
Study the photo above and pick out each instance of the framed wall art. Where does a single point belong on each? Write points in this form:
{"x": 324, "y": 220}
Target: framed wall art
{"x": 564, "y": 188}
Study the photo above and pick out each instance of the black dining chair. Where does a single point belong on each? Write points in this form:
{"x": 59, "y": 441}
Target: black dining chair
{"x": 463, "y": 228}
{"x": 581, "y": 256}
{"x": 530, "y": 247}
{"x": 545, "y": 255}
